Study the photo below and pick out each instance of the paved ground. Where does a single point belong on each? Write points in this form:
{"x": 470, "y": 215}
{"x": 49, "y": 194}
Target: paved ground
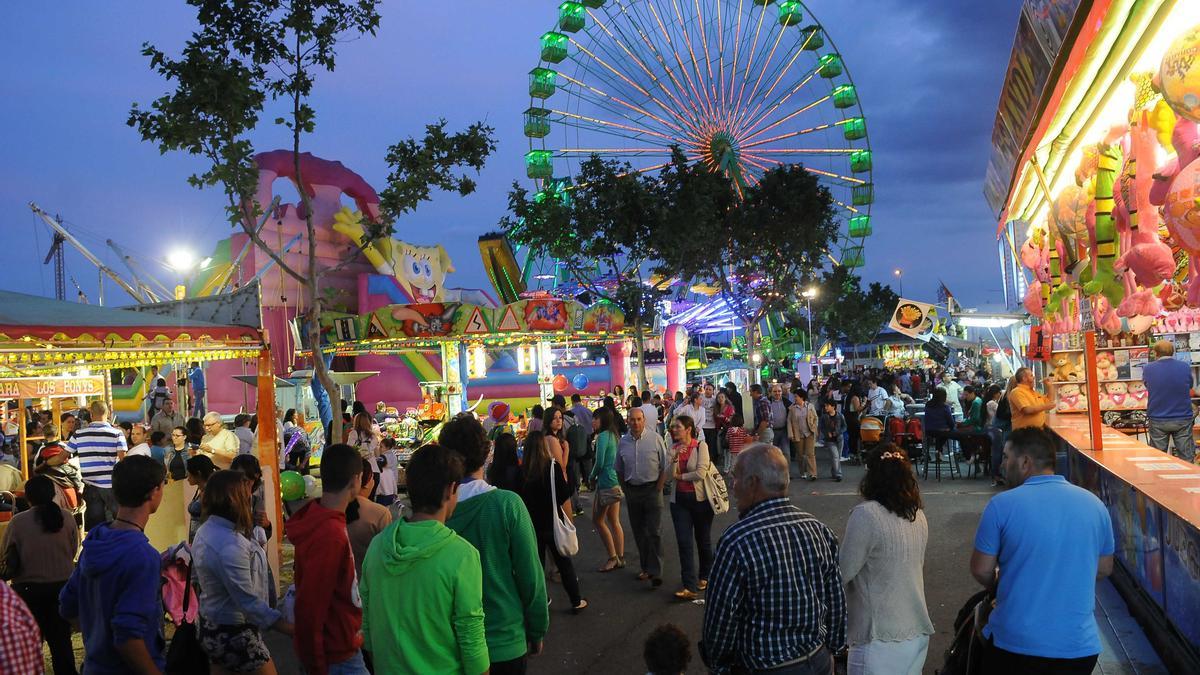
{"x": 608, "y": 636}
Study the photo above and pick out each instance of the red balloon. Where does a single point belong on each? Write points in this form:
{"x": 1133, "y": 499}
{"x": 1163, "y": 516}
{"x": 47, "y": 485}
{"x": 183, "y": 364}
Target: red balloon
{"x": 560, "y": 383}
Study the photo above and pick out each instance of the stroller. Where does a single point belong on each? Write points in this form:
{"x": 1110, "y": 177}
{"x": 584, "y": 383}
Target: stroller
{"x": 870, "y": 434}
{"x": 909, "y": 435}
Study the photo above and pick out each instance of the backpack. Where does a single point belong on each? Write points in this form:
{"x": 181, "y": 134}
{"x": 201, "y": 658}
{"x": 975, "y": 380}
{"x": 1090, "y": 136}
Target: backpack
{"x": 577, "y": 439}
{"x": 1003, "y": 411}
{"x": 966, "y": 652}
{"x": 158, "y": 399}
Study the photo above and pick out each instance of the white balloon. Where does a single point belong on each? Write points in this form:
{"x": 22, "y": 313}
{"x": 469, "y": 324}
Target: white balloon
{"x": 312, "y": 489}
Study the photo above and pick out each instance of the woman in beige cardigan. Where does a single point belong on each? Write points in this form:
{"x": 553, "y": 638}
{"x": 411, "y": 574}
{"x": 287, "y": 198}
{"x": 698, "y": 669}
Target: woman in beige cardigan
{"x": 690, "y": 511}
{"x": 802, "y": 433}
{"x": 881, "y": 559}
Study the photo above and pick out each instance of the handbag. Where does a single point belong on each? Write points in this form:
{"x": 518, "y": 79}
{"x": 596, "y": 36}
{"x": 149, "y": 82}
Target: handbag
{"x": 566, "y": 539}
{"x": 185, "y": 656}
{"x": 715, "y": 490}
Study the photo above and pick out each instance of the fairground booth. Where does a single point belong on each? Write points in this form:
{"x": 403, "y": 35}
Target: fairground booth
{"x": 1095, "y": 182}
{"x": 60, "y": 356}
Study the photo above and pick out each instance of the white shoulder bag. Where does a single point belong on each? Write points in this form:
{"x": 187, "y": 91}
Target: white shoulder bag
{"x": 566, "y": 540}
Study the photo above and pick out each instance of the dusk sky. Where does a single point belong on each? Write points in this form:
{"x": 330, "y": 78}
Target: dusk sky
{"x": 928, "y": 74}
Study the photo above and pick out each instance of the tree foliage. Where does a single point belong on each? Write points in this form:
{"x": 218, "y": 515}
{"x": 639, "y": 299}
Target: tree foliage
{"x": 847, "y": 312}
{"x": 760, "y": 248}
{"x": 246, "y": 55}
{"x": 604, "y": 230}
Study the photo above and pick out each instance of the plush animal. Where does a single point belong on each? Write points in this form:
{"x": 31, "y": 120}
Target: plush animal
{"x": 1102, "y": 279}
{"x": 1064, "y": 368}
{"x": 1138, "y": 394}
{"x": 1106, "y": 369}
{"x": 1071, "y": 398}
{"x": 1117, "y": 394}
{"x": 1150, "y": 260}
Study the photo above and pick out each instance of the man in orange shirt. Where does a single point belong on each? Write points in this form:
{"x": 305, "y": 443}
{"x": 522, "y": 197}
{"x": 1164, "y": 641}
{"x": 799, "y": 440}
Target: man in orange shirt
{"x": 1028, "y": 406}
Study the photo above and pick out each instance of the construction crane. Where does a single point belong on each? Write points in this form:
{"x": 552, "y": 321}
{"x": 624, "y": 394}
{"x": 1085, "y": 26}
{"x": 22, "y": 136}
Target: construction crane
{"x": 56, "y": 254}
{"x": 105, "y": 270}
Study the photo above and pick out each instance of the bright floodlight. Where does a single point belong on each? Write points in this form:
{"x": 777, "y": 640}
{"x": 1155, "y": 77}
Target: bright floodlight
{"x": 810, "y": 293}
{"x": 896, "y": 271}
{"x": 181, "y": 260}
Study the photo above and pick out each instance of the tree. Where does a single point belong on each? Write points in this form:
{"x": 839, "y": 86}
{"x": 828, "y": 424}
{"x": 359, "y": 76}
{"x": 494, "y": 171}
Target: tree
{"x": 849, "y": 313}
{"x": 603, "y": 230}
{"x": 761, "y": 250}
{"x": 248, "y": 53}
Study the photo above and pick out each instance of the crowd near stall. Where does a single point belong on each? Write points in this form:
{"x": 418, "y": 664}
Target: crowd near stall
{"x": 186, "y": 456}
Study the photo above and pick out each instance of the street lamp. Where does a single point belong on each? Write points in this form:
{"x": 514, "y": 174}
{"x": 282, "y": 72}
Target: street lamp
{"x": 185, "y": 264}
{"x": 899, "y": 279}
{"x": 809, "y": 294}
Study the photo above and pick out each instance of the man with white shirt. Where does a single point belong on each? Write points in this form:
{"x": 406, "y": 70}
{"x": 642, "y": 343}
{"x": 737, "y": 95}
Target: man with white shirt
{"x": 649, "y": 410}
{"x": 709, "y": 426}
{"x": 876, "y": 398}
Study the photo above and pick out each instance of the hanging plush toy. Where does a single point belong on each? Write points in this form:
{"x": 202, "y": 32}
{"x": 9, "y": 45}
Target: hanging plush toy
{"x": 1103, "y": 278}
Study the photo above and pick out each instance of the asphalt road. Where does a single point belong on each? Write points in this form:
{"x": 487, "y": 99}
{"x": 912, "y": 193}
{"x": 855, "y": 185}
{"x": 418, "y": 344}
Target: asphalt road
{"x": 608, "y": 636}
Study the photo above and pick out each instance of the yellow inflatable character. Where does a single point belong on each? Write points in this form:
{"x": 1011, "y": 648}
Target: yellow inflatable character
{"x": 420, "y": 270}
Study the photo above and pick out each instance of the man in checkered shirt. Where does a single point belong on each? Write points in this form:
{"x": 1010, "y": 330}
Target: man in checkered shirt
{"x": 775, "y": 602}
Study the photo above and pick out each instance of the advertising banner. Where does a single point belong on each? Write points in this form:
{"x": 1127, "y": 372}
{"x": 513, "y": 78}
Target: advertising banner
{"x": 912, "y": 318}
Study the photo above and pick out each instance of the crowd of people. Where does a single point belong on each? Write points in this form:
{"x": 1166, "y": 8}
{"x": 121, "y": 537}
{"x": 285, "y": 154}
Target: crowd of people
{"x": 460, "y": 583}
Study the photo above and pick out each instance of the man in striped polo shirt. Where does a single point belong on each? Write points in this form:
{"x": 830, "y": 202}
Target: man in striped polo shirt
{"x": 98, "y": 446}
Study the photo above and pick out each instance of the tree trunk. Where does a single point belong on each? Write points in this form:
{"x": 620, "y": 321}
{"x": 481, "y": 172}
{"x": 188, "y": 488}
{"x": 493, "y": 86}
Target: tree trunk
{"x": 639, "y": 341}
{"x": 322, "y": 373}
{"x": 751, "y": 350}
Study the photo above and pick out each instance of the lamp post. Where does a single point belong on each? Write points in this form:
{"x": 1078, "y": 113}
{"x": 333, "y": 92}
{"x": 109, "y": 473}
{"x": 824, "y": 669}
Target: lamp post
{"x": 899, "y": 279}
{"x": 809, "y": 294}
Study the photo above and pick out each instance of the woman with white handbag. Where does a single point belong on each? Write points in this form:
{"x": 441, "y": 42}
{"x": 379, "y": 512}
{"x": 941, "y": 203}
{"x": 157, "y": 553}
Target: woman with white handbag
{"x": 545, "y": 492}
{"x": 691, "y": 512}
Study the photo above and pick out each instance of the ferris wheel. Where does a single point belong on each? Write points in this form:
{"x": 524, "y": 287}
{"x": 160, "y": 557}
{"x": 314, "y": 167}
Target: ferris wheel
{"x": 739, "y": 85}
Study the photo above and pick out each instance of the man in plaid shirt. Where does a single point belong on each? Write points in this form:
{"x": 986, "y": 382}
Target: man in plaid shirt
{"x": 775, "y": 601}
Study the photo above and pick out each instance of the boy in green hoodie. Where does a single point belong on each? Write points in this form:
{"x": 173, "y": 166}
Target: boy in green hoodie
{"x": 422, "y": 586}
{"x": 498, "y": 525}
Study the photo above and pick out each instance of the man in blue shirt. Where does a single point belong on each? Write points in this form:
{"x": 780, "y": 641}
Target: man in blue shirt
{"x": 196, "y": 376}
{"x": 1052, "y": 541}
{"x": 1169, "y": 383}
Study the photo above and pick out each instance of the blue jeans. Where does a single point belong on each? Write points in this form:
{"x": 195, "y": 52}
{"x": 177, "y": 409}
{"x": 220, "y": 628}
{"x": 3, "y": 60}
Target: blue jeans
{"x": 693, "y": 522}
{"x": 198, "y": 404}
{"x": 1161, "y": 431}
{"x": 351, "y": 666}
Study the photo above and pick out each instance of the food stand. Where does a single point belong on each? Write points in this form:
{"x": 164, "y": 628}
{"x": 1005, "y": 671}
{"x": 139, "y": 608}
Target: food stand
{"x": 1094, "y": 179}
{"x": 51, "y": 349}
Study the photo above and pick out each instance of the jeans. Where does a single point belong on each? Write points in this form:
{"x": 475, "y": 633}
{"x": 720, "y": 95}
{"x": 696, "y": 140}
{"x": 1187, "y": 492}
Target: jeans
{"x": 886, "y": 657}
{"x": 693, "y": 521}
{"x": 351, "y": 666}
{"x": 1161, "y": 431}
{"x": 513, "y": 667}
{"x": 645, "y": 506}
{"x": 714, "y": 445}
{"x": 566, "y": 568}
{"x": 997, "y": 661}
{"x": 780, "y": 440}
{"x": 1005, "y": 428}
{"x": 835, "y": 456}
{"x": 198, "y": 404}
{"x": 101, "y": 506}
{"x": 805, "y": 452}
{"x": 820, "y": 663}
{"x": 42, "y": 600}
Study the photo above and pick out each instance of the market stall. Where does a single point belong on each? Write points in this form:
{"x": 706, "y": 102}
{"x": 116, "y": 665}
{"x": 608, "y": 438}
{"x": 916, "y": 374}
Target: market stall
{"x": 1094, "y": 178}
{"x": 52, "y": 350}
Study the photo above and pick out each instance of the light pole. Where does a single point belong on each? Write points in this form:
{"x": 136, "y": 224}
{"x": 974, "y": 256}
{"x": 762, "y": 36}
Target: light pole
{"x": 809, "y": 294}
{"x": 899, "y": 279}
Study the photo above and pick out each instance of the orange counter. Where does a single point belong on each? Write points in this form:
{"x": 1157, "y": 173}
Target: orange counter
{"x": 1154, "y": 502}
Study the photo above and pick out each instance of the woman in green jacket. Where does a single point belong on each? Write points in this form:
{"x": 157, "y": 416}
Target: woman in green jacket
{"x": 606, "y": 515}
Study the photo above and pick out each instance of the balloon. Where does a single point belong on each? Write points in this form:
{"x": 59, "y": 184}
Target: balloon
{"x": 580, "y": 381}
{"x": 499, "y": 410}
{"x": 291, "y": 486}
{"x": 1179, "y": 75}
{"x": 311, "y": 489}
{"x": 560, "y": 383}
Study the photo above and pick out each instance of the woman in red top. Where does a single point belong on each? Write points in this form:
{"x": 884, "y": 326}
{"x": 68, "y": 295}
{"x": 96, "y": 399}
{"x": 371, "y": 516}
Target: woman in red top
{"x": 690, "y": 511}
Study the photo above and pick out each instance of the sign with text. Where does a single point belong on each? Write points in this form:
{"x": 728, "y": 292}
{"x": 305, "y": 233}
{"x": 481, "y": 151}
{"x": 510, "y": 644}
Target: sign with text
{"x": 52, "y": 387}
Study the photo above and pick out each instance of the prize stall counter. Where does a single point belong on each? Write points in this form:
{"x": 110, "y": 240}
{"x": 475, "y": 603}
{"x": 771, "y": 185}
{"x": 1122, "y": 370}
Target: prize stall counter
{"x": 1154, "y": 501}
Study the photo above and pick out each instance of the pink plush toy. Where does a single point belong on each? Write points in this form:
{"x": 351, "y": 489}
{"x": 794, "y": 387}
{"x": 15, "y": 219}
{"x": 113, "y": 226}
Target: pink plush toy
{"x": 1146, "y": 256}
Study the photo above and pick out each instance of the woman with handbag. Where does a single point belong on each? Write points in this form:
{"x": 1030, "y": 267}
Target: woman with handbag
{"x": 554, "y": 438}
{"x": 39, "y": 555}
{"x": 690, "y": 511}
{"x": 545, "y": 493}
{"x": 231, "y": 572}
{"x": 606, "y": 513}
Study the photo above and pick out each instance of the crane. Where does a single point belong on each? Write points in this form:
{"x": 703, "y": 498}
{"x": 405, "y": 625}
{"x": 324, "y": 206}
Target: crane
{"x": 56, "y": 254}
{"x": 105, "y": 270}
